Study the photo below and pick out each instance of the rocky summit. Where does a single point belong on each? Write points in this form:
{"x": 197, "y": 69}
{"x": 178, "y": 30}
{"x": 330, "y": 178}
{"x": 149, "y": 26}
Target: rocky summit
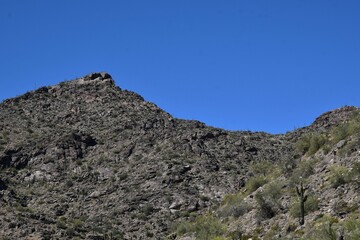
{"x": 84, "y": 159}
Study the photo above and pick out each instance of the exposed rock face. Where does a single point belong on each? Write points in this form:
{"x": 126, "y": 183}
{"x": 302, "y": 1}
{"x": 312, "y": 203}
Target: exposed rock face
{"x": 86, "y": 159}
{"x": 334, "y": 117}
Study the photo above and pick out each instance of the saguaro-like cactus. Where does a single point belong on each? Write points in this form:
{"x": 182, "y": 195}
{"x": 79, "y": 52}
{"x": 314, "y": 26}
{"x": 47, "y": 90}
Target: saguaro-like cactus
{"x": 302, "y": 198}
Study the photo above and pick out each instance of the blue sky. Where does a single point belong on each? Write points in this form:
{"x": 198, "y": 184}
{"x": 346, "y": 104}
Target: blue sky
{"x": 255, "y": 65}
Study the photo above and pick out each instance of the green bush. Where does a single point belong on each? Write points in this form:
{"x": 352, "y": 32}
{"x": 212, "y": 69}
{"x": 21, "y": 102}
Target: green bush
{"x": 273, "y": 190}
{"x": 204, "y": 227}
{"x": 303, "y": 144}
{"x": 352, "y": 228}
{"x": 316, "y": 142}
{"x": 355, "y": 173}
{"x": 262, "y": 168}
{"x": 331, "y": 229}
{"x": 288, "y": 165}
{"x": 339, "y": 175}
{"x": 310, "y": 144}
{"x": 183, "y": 228}
{"x": 148, "y": 209}
{"x": 326, "y": 232}
{"x": 341, "y": 207}
{"x": 234, "y": 206}
{"x": 339, "y": 133}
{"x": 345, "y": 130}
{"x": 266, "y": 208}
{"x": 254, "y": 183}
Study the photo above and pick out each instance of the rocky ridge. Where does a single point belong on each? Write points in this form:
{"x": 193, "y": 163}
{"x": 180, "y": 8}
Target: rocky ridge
{"x": 85, "y": 159}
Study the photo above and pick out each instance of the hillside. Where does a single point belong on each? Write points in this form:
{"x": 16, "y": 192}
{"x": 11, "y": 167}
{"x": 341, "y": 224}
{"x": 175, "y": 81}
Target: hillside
{"x": 85, "y": 159}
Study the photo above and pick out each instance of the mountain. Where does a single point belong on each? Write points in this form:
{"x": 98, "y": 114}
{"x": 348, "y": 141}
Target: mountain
{"x": 85, "y": 159}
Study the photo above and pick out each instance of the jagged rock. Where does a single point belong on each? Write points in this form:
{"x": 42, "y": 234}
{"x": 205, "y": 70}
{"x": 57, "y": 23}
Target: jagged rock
{"x": 95, "y": 194}
{"x": 341, "y": 143}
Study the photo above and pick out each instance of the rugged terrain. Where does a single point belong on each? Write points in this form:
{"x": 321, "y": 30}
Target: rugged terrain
{"x": 85, "y": 159}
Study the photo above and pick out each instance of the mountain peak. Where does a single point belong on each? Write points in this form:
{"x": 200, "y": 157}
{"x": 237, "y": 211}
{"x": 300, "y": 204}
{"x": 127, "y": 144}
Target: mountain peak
{"x": 96, "y": 77}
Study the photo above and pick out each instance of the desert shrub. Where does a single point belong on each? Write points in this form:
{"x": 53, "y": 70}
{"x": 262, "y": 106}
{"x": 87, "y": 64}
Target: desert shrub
{"x": 339, "y": 133}
{"x": 208, "y": 226}
{"x": 352, "y": 228}
{"x": 268, "y": 200}
{"x": 304, "y": 170}
{"x": 234, "y": 206}
{"x": 331, "y": 229}
{"x": 148, "y": 209}
{"x": 355, "y": 173}
{"x": 182, "y": 228}
{"x": 288, "y": 165}
{"x": 254, "y": 183}
{"x": 77, "y": 224}
{"x": 354, "y": 126}
{"x": 316, "y": 142}
{"x": 345, "y": 130}
{"x": 310, "y": 144}
{"x": 339, "y": 175}
{"x": 272, "y": 232}
{"x": 204, "y": 227}
{"x": 311, "y": 205}
{"x": 328, "y": 228}
{"x": 266, "y": 208}
{"x": 341, "y": 207}
{"x": 325, "y": 232}
{"x": 349, "y": 148}
{"x": 273, "y": 190}
{"x": 262, "y": 168}
{"x": 61, "y": 223}
{"x": 303, "y": 144}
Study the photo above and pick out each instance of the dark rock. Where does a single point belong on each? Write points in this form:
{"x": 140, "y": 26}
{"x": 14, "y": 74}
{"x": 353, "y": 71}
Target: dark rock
{"x": 2, "y": 185}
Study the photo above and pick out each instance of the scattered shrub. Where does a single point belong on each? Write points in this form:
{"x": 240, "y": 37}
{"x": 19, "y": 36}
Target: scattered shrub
{"x": 204, "y": 227}
{"x": 288, "y": 165}
{"x": 303, "y": 144}
{"x": 326, "y": 232}
{"x": 355, "y": 173}
{"x": 352, "y": 228}
{"x": 339, "y": 133}
{"x": 304, "y": 170}
{"x": 254, "y": 183}
{"x": 339, "y": 175}
{"x": 77, "y": 224}
{"x": 262, "y": 168}
{"x": 345, "y": 130}
{"x": 273, "y": 190}
{"x": 148, "y": 209}
{"x": 266, "y": 208}
{"x": 316, "y": 142}
{"x": 341, "y": 207}
{"x": 234, "y": 206}
{"x": 310, "y": 144}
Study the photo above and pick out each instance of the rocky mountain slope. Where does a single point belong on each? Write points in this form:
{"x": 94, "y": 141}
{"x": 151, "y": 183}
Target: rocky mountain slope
{"x": 85, "y": 159}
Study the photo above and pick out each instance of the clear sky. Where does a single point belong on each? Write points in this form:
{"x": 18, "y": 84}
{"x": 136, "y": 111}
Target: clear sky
{"x": 255, "y": 65}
